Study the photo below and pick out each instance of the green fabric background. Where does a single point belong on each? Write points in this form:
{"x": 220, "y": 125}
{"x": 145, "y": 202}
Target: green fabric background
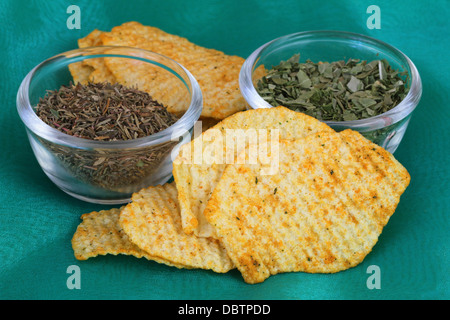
{"x": 37, "y": 220}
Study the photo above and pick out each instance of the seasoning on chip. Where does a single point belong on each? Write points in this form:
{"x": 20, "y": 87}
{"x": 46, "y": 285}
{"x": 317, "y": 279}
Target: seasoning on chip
{"x": 196, "y": 180}
{"x": 100, "y": 234}
{"x": 216, "y": 72}
{"x": 321, "y": 213}
{"x": 152, "y": 222}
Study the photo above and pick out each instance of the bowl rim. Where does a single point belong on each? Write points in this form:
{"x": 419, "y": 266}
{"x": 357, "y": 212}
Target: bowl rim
{"x": 176, "y": 130}
{"x": 399, "y": 112}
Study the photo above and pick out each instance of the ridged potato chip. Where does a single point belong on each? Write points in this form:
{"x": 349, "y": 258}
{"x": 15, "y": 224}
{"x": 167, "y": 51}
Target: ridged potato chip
{"x": 80, "y": 72}
{"x": 91, "y": 70}
{"x": 100, "y": 234}
{"x": 197, "y": 178}
{"x": 152, "y": 222}
{"x": 322, "y": 212}
{"x": 216, "y": 72}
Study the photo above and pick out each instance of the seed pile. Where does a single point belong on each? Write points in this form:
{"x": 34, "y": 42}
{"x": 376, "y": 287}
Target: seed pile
{"x": 104, "y": 112}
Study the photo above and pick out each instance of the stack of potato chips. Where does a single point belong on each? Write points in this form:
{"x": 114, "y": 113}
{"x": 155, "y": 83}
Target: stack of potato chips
{"x": 264, "y": 191}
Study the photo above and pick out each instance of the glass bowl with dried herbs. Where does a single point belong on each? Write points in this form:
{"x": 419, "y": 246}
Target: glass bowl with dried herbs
{"x": 347, "y": 80}
{"x": 105, "y": 122}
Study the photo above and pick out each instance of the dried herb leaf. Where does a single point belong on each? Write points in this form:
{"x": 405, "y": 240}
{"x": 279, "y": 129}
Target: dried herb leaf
{"x": 334, "y": 91}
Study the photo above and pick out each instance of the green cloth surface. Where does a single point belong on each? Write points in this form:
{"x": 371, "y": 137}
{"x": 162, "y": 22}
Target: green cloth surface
{"x": 37, "y": 220}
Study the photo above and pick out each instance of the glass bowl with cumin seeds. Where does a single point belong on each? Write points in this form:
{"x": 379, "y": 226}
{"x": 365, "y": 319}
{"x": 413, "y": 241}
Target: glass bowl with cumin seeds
{"x": 347, "y": 80}
{"x": 105, "y": 122}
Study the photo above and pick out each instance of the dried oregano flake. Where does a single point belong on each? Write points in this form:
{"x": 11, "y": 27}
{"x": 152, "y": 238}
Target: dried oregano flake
{"x": 334, "y": 91}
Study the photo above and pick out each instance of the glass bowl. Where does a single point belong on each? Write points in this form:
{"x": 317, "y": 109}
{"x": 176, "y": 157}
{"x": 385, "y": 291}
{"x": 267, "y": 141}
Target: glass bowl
{"x": 386, "y": 129}
{"x": 109, "y": 172}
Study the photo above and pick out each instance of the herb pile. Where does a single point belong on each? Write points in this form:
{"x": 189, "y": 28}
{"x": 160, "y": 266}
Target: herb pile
{"x": 103, "y": 111}
{"x": 107, "y": 112}
{"x": 334, "y": 91}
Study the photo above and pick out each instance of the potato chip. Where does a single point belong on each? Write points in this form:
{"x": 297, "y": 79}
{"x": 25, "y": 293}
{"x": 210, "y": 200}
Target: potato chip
{"x": 80, "y": 72}
{"x": 100, "y": 234}
{"x": 196, "y": 180}
{"x": 161, "y": 84}
{"x": 91, "y": 40}
{"x": 99, "y": 71}
{"x": 322, "y": 212}
{"x": 216, "y": 72}
{"x": 152, "y": 222}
